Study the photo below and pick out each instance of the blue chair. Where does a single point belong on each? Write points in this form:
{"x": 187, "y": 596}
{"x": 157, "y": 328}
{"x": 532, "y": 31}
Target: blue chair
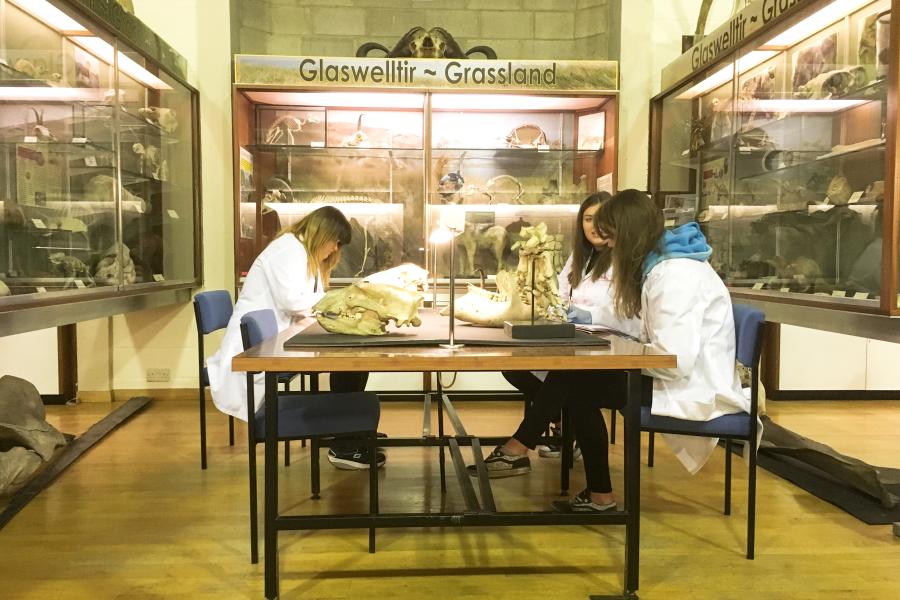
{"x": 748, "y": 331}
{"x": 212, "y": 311}
{"x": 307, "y": 415}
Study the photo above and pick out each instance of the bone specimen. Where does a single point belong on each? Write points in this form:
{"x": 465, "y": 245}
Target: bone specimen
{"x": 4, "y": 289}
{"x": 451, "y": 183}
{"x": 164, "y": 118}
{"x": 526, "y": 136}
{"x": 407, "y": 276}
{"x": 110, "y": 94}
{"x": 40, "y": 131}
{"x": 838, "y": 190}
{"x": 883, "y": 45}
{"x": 472, "y": 238}
{"x": 833, "y": 83}
{"x": 512, "y": 301}
{"x": 367, "y": 309}
{"x": 107, "y": 270}
{"x": 152, "y": 163}
{"x": 101, "y": 188}
{"x": 343, "y": 199}
{"x": 358, "y": 139}
{"x": 867, "y": 39}
{"x": 282, "y": 129}
{"x": 69, "y": 267}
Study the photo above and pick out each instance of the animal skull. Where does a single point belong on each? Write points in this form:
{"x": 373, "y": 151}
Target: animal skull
{"x": 512, "y": 301}
{"x": 163, "y": 117}
{"x": 407, "y": 276}
{"x": 367, "y": 308}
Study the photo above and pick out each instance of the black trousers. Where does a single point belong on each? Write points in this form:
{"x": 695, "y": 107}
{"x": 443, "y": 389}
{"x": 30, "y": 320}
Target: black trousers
{"x": 583, "y": 393}
{"x": 345, "y": 382}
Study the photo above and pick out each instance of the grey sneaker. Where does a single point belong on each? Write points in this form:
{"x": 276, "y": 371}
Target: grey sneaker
{"x": 582, "y": 503}
{"x": 499, "y": 464}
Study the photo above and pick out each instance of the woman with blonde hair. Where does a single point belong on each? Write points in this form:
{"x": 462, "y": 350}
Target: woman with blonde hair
{"x": 289, "y": 276}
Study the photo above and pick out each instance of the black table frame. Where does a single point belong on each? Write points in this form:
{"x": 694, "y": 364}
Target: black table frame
{"x": 483, "y": 514}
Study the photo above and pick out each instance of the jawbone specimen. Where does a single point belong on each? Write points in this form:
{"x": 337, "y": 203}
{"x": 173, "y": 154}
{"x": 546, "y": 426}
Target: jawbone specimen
{"x": 512, "y": 300}
{"x": 367, "y": 308}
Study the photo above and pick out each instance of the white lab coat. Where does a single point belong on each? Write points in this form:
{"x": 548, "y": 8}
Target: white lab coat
{"x": 279, "y": 280}
{"x": 686, "y": 311}
{"x": 596, "y": 297}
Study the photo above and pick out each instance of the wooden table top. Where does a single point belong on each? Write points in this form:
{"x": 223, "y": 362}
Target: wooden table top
{"x": 620, "y": 354}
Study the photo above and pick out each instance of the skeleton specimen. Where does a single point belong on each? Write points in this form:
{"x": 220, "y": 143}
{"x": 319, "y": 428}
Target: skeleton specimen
{"x": 151, "y": 161}
{"x": 107, "y": 270}
{"x": 39, "y": 130}
{"x": 526, "y": 136}
{"x": 512, "y": 301}
{"x": 367, "y": 308}
{"x": 838, "y": 190}
{"x": 36, "y": 69}
{"x": 358, "y": 139}
{"x": 164, "y": 118}
{"x": 4, "y": 289}
{"x": 282, "y": 129}
{"x": 833, "y": 83}
{"x": 450, "y": 184}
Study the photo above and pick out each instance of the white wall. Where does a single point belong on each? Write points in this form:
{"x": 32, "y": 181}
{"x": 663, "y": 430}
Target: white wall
{"x": 166, "y": 338}
{"x": 32, "y": 356}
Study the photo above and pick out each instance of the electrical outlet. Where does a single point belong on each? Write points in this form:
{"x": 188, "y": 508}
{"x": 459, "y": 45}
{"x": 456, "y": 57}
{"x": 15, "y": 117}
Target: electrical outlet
{"x": 158, "y": 375}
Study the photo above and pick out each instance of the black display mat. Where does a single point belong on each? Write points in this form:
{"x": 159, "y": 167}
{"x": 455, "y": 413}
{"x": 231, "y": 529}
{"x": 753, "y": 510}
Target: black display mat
{"x": 432, "y": 332}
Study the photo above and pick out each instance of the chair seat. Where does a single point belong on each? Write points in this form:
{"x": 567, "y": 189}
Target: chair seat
{"x": 735, "y": 425}
{"x": 306, "y": 415}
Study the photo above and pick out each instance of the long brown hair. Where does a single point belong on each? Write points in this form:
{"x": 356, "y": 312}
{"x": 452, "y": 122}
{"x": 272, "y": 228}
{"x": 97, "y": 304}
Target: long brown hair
{"x": 321, "y": 226}
{"x": 635, "y": 222}
{"x": 583, "y": 251}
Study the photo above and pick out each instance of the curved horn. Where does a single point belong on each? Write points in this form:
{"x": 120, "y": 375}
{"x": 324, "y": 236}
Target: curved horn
{"x": 359, "y": 122}
{"x": 486, "y": 50}
{"x": 364, "y": 49}
{"x": 38, "y": 116}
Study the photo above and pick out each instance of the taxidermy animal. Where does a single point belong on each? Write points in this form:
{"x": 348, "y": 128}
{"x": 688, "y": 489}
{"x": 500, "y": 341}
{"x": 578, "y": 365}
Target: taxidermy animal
{"x": 472, "y": 239}
{"x": 512, "y": 301}
{"x": 450, "y": 184}
{"x": 69, "y": 267}
{"x": 367, "y": 308}
{"x": 39, "y": 130}
{"x": 814, "y": 60}
{"x": 433, "y": 43}
{"x": 282, "y": 129}
{"x": 164, "y": 118}
{"x": 833, "y": 83}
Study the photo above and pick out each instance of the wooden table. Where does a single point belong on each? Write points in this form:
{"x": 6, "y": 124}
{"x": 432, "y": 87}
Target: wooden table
{"x": 271, "y": 357}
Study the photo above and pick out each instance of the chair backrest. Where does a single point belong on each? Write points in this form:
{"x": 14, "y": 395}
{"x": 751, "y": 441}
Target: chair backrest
{"x": 213, "y": 310}
{"x": 258, "y": 326}
{"x": 748, "y": 324}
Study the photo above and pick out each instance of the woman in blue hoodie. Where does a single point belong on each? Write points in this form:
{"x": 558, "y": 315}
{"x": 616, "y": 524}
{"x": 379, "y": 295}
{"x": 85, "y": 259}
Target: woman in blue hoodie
{"x": 664, "y": 278}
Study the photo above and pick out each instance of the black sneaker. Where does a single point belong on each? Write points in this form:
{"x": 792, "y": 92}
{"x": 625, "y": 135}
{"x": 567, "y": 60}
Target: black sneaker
{"x": 354, "y": 458}
{"x": 499, "y": 464}
{"x": 582, "y": 503}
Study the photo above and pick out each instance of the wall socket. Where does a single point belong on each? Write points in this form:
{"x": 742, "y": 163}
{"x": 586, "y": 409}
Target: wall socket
{"x": 158, "y": 375}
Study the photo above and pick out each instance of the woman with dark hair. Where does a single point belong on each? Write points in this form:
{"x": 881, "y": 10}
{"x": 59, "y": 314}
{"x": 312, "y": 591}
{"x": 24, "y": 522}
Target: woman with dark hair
{"x": 584, "y": 285}
{"x": 289, "y": 276}
{"x": 664, "y": 278}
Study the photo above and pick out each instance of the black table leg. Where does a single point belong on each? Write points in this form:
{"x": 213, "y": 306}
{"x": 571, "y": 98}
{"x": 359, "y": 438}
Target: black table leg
{"x": 440, "y": 411}
{"x": 271, "y": 486}
{"x": 632, "y": 450}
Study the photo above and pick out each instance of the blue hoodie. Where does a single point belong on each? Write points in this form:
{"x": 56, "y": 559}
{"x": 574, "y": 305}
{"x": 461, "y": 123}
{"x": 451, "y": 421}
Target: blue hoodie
{"x": 685, "y": 241}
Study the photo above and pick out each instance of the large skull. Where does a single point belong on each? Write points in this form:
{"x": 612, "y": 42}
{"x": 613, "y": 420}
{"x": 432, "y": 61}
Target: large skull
{"x": 367, "y": 308}
{"x": 512, "y": 301}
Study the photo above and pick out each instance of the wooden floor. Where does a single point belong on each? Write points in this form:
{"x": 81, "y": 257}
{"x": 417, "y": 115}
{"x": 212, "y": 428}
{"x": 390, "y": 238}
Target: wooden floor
{"x": 136, "y": 518}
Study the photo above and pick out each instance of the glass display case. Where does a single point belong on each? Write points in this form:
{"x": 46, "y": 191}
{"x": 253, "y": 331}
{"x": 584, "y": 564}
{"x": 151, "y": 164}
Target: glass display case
{"x": 783, "y": 149}
{"x": 402, "y": 164}
{"x": 99, "y": 161}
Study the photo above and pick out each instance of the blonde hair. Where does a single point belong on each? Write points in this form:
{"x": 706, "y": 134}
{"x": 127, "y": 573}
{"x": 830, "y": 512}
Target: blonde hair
{"x": 321, "y": 226}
